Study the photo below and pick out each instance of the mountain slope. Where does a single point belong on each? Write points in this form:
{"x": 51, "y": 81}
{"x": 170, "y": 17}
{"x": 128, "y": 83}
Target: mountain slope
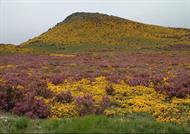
{"x": 95, "y": 28}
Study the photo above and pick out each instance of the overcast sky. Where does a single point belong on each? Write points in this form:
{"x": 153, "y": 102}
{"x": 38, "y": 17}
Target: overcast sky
{"x": 21, "y": 20}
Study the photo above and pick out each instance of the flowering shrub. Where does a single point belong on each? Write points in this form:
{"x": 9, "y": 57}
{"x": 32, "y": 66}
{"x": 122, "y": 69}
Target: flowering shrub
{"x": 39, "y": 88}
{"x": 85, "y": 104}
{"x": 64, "y": 97}
{"x": 31, "y": 107}
{"x": 61, "y": 110}
{"x": 158, "y": 79}
{"x": 175, "y": 85}
{"x": 21, "y": 102}
{"x": 9, "y": 96}
{"x": 142, "y": 80}
{"x": 155, "y": 84}
{"x": 126, "y": 99}
{"x": 56, "y": 79}
{"x": 110, "y": 90}
{"x": 3, "y": 101}
{"x": 105, "y": 103}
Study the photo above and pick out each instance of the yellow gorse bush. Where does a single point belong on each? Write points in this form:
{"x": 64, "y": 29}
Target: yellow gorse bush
{"x": 126, "y": 99}
{"x": 59, "y": 110}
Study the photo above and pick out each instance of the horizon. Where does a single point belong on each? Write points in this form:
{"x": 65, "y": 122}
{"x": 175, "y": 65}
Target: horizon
{"x": 22, "y": 20}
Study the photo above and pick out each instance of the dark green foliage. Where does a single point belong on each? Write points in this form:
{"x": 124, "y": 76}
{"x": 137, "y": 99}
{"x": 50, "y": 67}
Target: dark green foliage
{"x": 22, "y": 123}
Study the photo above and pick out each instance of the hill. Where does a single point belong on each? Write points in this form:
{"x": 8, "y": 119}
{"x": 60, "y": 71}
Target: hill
{"x": 97, "y": 73}
{"x": 102, "y": 29}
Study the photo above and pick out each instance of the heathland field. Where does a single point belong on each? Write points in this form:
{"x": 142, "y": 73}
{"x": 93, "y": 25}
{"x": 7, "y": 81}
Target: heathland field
{"x": 97, "y": 73}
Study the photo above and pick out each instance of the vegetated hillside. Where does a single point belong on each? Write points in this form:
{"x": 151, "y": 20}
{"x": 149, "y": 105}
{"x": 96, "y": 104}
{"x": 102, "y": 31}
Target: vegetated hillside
{"x": 7, "y": 48}
{"x": 102, "y": 29}
{"x": 5, "y": 45}
{"x": 13, "y": 49}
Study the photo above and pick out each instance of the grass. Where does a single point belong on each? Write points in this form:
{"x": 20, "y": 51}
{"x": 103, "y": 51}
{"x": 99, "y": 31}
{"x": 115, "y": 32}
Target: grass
{"x": 132, "y": 123}
{"x": 138, "y": 46}
{"x": 145, "y": 47}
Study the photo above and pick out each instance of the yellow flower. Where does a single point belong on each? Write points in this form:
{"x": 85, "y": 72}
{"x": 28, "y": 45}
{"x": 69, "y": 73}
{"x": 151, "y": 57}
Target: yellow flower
{"x": 127, "y": 99}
